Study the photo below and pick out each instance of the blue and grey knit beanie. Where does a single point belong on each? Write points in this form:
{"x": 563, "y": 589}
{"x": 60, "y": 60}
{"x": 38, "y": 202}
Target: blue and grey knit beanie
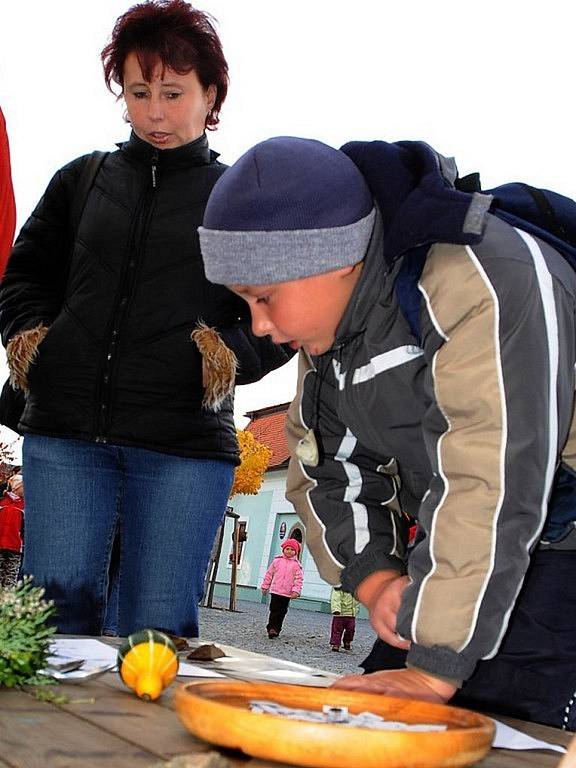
{"x": 288, "y": 208}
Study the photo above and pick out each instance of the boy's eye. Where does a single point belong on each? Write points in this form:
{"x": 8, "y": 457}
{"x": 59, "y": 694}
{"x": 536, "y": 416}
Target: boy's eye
{"x": 262, "y": 300}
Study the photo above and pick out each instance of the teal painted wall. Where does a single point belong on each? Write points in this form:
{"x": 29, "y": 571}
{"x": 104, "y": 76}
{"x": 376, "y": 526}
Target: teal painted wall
{"x": 291, "y": 520}
{"x": 255, "y": 510}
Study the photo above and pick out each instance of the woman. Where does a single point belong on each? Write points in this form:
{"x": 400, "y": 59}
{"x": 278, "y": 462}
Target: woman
{"x": 125, "y": 412}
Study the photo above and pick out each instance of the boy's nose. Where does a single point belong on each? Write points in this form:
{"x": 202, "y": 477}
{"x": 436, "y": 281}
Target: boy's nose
{"x": 261, "y": 325}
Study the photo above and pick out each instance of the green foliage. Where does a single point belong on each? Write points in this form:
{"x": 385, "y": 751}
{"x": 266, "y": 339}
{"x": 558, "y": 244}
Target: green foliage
{"x": 24, "y": 634}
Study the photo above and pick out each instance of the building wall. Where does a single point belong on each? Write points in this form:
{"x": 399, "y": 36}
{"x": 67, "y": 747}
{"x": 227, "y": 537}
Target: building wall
{"x": 264, "y": 514}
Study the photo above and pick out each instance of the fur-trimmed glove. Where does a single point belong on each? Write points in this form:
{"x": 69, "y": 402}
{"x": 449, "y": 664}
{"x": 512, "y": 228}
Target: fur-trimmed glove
{"x": 20, "y": 352}
{"x": 219, "y": 366}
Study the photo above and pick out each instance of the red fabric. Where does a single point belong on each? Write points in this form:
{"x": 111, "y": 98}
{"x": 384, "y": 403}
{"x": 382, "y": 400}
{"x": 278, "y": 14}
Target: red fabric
{"x": 7, "y": 204}
{"x": 11, "y": 507}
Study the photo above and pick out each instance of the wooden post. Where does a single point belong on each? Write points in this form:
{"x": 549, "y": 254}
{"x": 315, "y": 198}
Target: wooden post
{"x": 235, "y": 551}
{"x": 212, "y": 571}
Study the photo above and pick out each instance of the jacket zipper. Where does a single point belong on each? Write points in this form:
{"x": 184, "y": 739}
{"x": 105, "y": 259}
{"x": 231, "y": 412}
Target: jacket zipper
{"x": 125, "y": 290}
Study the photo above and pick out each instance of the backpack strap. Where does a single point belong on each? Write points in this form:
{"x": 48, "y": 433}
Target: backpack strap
{"x": 87, "y": 178}
{"x": 549, "y": 220}
{"x": 13, "y": 401}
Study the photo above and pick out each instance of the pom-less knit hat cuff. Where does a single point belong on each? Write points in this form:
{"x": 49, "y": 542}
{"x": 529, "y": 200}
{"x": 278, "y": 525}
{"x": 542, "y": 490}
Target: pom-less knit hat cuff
{"x": 261, "y": 258}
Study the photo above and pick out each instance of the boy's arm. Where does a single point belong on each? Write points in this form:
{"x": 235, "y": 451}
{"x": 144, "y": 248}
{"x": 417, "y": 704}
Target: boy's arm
{"x": 350, "y": 529}
{"x": 499, "y": 369}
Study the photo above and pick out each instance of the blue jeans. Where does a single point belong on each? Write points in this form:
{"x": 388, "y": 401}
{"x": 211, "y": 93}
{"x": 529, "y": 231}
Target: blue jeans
{"x": 165, "y": 509}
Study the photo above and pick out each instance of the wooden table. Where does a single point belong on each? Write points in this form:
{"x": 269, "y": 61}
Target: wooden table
{"x": 105, "y": 726}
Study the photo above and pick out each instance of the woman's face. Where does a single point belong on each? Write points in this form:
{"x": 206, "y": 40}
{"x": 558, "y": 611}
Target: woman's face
{"x": 169, "y": 111}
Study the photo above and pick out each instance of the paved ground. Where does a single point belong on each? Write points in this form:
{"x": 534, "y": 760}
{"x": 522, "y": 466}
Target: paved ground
{"x": 305, "y": 636}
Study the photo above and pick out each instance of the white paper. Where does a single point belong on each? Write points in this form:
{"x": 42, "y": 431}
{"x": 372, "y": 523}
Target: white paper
{"x": 97, "y": 654}
{"x": 510, "y": 738}
{"x": 288, "y": 674}
{"x": 94, "y": 652}
{"x": 194, "y": 670}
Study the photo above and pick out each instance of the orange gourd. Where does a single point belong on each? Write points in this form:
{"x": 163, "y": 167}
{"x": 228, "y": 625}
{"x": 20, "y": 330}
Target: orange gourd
{"x": 148, "y": 663}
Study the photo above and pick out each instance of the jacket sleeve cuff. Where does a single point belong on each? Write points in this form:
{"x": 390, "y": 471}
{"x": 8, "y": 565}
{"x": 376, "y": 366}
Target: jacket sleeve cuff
{"x": 365, "y": 565}
{"x": 449, "y": 680}
{"x": 441, "y": 662}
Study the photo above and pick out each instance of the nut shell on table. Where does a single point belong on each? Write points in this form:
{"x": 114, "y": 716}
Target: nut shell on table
{"x": 207, "y": 652}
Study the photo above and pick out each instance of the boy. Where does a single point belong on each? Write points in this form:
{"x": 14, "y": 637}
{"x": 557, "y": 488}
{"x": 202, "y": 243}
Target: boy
{"x": 462, "y": 420}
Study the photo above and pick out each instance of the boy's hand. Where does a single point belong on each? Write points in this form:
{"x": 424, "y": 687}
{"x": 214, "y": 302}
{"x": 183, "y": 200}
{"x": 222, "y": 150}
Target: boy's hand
{"x": 381, "y": 593}
{"x": 404, "y": 683}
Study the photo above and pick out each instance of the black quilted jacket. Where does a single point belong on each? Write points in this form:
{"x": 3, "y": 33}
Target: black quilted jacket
{"x": 118, "y": 364}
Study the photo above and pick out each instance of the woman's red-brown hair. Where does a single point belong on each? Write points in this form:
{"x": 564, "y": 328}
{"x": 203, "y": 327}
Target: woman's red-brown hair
{"x": 181, "y": 37}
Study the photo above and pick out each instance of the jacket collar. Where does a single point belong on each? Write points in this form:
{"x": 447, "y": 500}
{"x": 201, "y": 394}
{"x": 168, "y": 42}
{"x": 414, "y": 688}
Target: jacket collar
{"x": 197, "y": 152}
{"x": 367, "y": 291}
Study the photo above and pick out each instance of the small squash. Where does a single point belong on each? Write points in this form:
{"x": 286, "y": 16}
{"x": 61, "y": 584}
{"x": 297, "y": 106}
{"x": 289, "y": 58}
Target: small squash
{"x": 148, "y": 663}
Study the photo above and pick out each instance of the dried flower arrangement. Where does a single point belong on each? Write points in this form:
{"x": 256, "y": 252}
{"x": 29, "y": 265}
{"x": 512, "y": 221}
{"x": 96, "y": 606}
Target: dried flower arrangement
{"x": 254, "y": 460}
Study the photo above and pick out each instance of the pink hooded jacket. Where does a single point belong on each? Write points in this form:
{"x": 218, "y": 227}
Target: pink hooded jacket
{"x": 284, "y": 576}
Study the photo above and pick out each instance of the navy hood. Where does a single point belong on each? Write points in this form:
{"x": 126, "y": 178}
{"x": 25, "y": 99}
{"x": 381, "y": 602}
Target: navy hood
{"x": 417, "y": 192}
{"x": 414, "y": 188}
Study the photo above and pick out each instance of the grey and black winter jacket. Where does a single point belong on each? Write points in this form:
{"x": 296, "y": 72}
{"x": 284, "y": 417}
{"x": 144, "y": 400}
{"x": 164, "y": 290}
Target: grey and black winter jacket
{"x": 118, "y": 364}
{"x": 465, "y": 429}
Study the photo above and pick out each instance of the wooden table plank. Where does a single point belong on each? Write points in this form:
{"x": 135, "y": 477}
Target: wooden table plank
{"x": 117, "y": 711}
{"x": 152, "y": 725}
{"x": 36, "y": 734}
{"x": 118, "y": 730}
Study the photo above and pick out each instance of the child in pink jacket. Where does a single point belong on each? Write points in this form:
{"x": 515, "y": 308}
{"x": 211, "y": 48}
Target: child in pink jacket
{"x": 284, "y": 580}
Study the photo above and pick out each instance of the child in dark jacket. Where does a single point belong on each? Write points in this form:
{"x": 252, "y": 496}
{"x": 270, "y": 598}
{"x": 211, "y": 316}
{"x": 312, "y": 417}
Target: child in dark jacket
{"x": 436, "y": 363}
{"x": 284, "y": 581}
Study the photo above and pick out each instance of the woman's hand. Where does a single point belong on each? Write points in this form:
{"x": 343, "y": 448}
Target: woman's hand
{"x": 381, "y": 593}
{"x": 404, "y": 683}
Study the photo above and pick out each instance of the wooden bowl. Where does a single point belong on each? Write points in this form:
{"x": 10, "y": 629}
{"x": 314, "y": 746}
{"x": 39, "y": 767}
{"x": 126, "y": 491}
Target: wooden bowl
{"x": 218, "y": 712}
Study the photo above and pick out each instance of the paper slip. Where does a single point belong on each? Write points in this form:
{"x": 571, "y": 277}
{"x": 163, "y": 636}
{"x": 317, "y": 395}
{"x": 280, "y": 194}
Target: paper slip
{"x": 94, "y": 652}
{"x": 195, "y": 670}
{"x": 510, "y": 738}
{"x": 97, "y": 654}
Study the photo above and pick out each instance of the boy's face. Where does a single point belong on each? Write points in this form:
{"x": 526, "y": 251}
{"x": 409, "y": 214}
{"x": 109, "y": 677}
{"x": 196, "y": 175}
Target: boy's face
{"x": 302, "y": 313}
